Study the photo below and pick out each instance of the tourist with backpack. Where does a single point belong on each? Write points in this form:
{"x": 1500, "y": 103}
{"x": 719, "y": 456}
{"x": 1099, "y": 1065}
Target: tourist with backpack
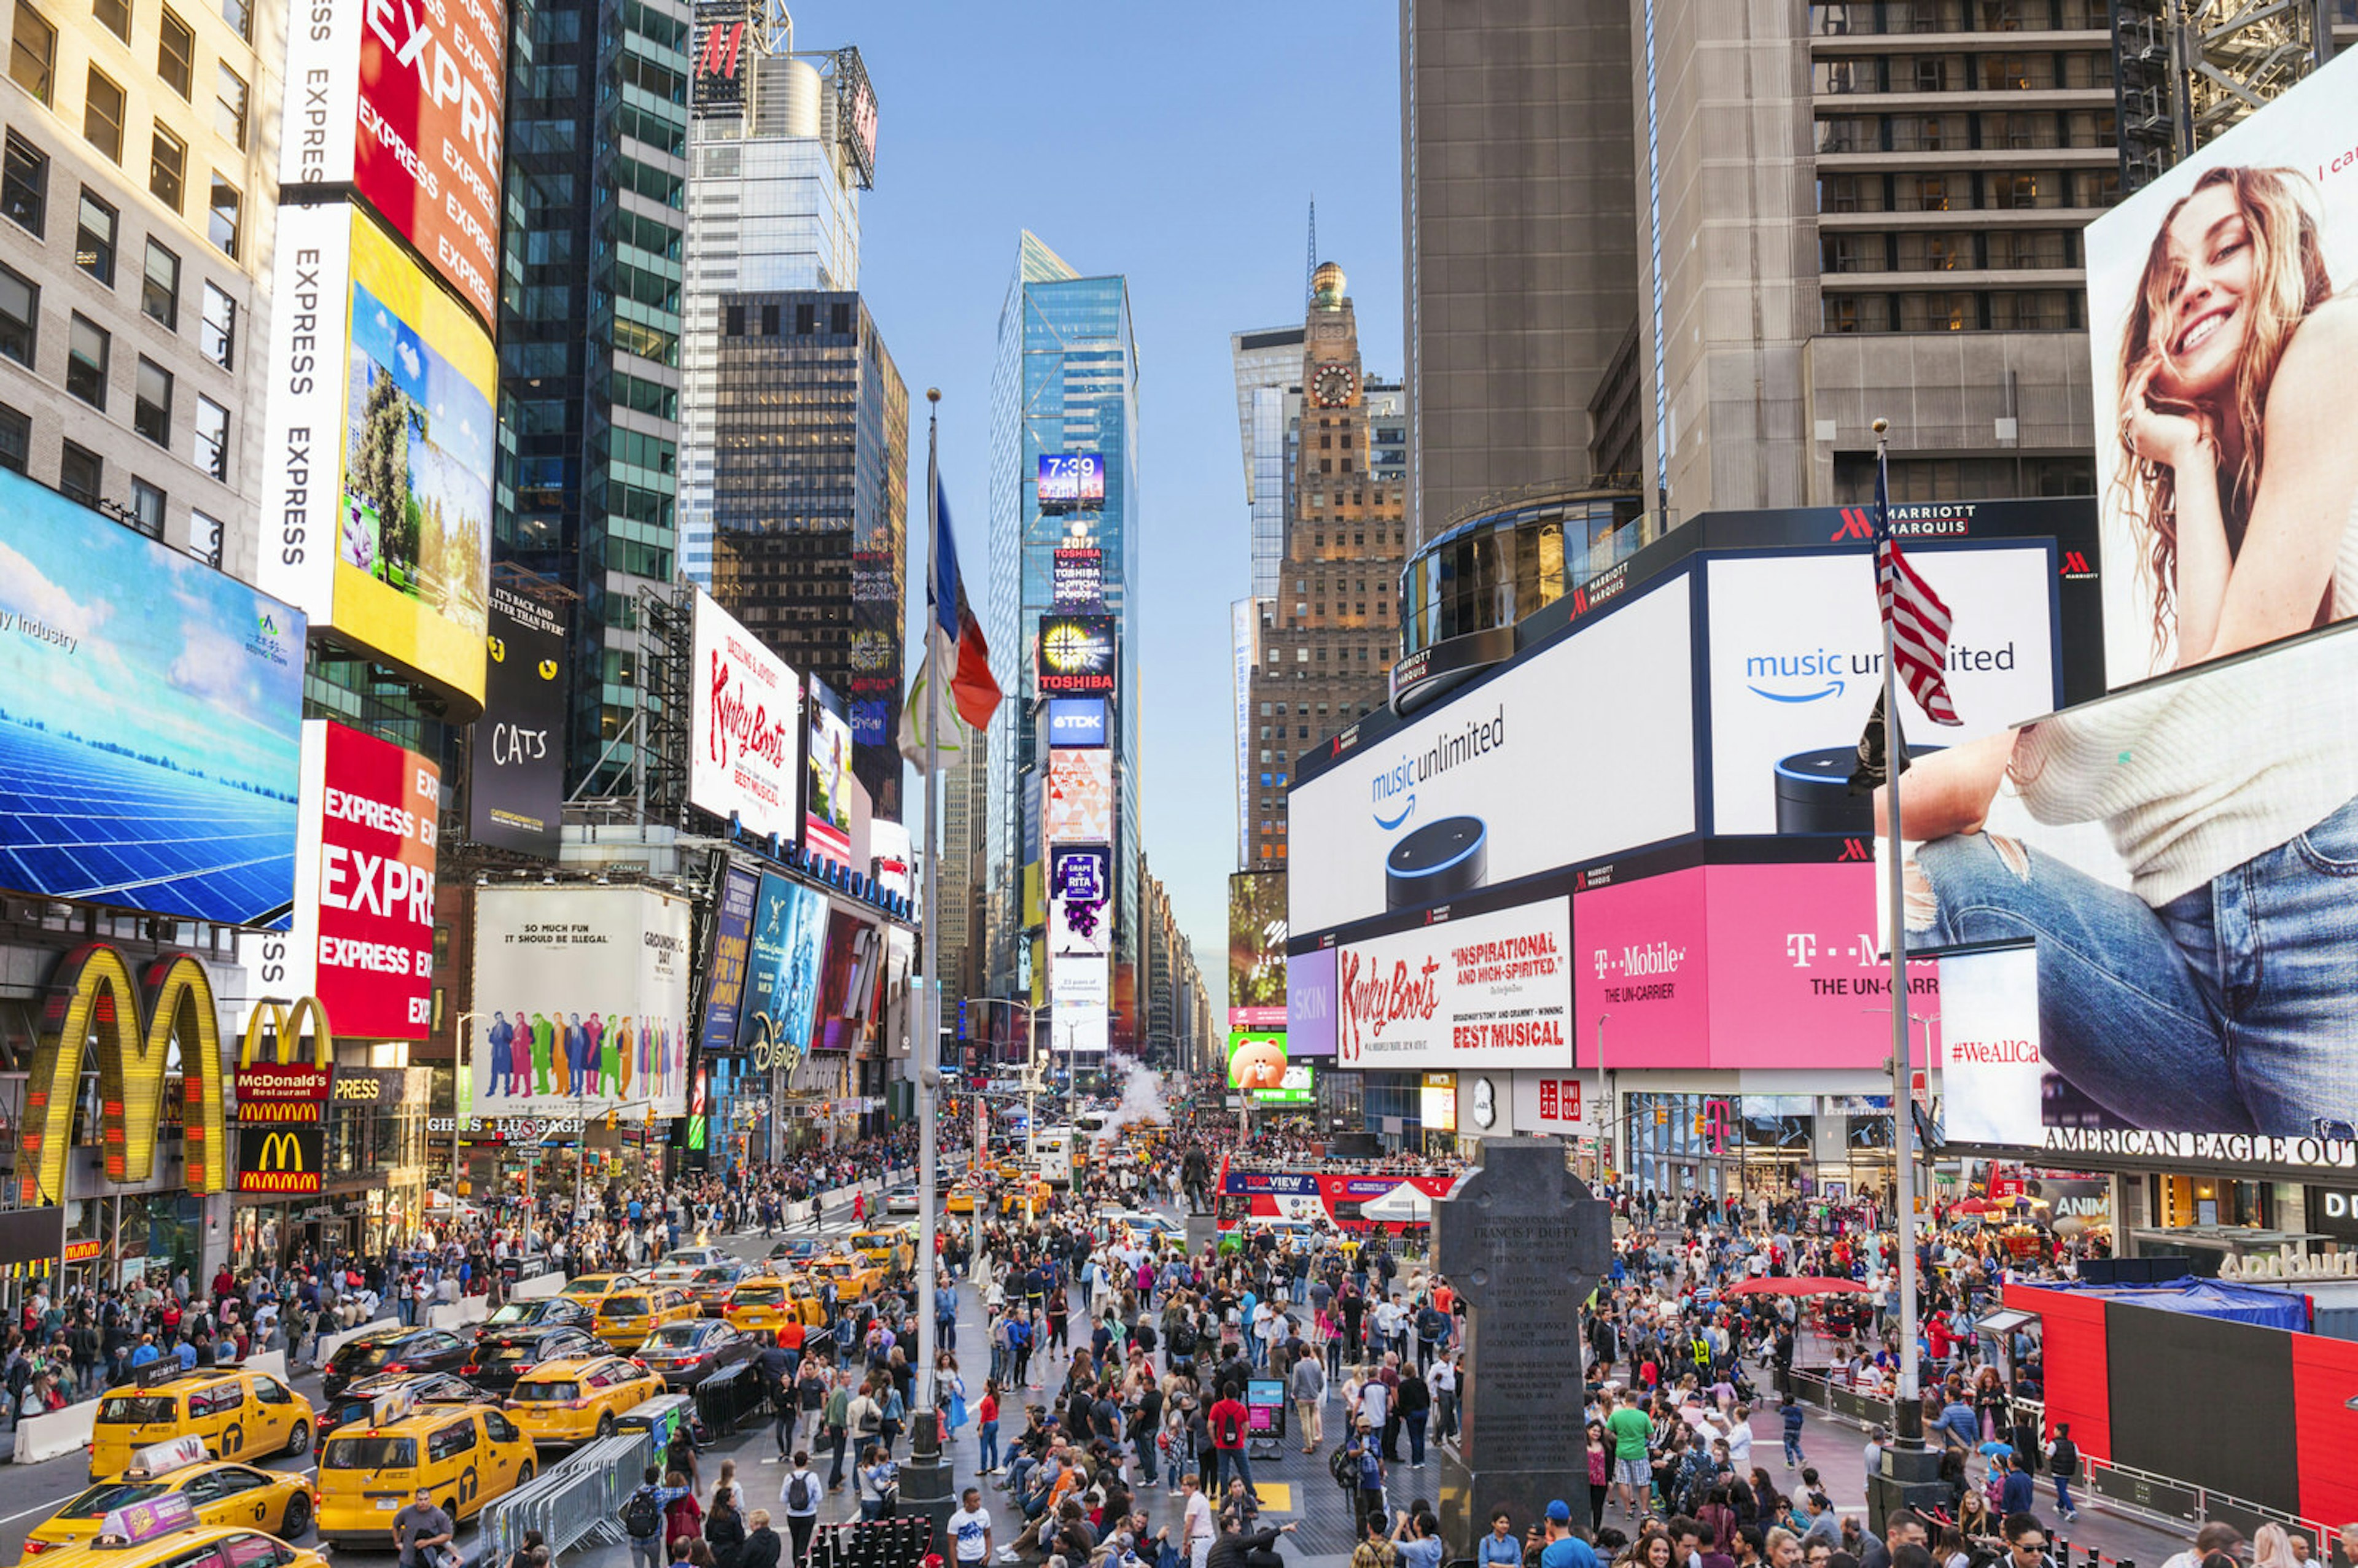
{"x": 642, "y": 1519}
{"x": 800, "y": 1497}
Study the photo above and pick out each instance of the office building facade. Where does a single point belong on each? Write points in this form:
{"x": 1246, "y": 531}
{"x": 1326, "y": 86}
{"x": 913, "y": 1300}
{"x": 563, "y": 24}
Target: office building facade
{"x": 809, "y": 503}
{"x": 1065, "y": 384}
{"x": 139, "y": 202}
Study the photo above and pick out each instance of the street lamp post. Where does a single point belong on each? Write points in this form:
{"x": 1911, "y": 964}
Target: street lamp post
{"x": 459, "y": 1069}
{"x": 1602, "y": 1097}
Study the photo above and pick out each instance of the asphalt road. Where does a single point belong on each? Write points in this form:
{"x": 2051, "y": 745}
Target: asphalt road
{"x": 31, "y": 1493}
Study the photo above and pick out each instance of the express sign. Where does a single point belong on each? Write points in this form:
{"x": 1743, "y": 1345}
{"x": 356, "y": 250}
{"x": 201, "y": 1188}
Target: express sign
{"x": 401, "y": 99}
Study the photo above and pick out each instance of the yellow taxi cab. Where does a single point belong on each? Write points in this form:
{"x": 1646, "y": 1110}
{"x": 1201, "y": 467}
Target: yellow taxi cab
{"x": 625, "y": 1318}
{"x": 165, "y": 1532}
{"x": 888, "y": 1249}
{"x": 803, "y": 1291}
{"x": 851, "y": 1275}
{"x": 218, "y": 1492}
{"x": 1031, "y": 1196}
{"x": 466, "y": 1456}
{"x": 962, "y": 1199}
{"x": 595, "y": 1288}
{"x": 575, "y": 1400}
{"x": 759, "y": 1304}
{"x": 236, "y": 1411}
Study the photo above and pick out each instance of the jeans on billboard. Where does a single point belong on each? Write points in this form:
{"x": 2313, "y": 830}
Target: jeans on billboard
{"x": 2227, "y": 1010}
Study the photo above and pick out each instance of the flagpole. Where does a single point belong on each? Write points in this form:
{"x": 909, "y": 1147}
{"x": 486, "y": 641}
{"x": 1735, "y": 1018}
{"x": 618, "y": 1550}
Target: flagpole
{"x": 929, "y": 1049}
{"x": 1909, "y": 1414}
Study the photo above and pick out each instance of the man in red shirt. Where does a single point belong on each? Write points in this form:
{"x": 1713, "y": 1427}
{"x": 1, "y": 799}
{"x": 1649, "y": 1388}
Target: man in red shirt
{"x": 1229, "y": 1421}
{"x": 1938, "y": 1339}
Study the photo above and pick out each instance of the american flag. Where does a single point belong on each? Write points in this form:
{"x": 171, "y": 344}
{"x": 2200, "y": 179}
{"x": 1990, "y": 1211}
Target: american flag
{"x": 1918, "y": 620}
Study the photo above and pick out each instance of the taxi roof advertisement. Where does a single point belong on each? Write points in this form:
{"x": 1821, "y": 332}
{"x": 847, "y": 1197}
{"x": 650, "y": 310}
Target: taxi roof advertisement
{"x": 402, "y": 102}
{"x": 377, "y": 495}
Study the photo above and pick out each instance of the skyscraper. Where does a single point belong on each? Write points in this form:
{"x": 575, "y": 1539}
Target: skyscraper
{"x": 1518, "y": 220}
{"x": 1064, "y": 386}
{"x": 590, "y": 324}
{"x": 1268, "y": 362}
{"x": 809, "y": 503}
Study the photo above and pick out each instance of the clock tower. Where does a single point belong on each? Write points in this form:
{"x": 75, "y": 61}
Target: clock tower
{"x": 1328, "y": 639}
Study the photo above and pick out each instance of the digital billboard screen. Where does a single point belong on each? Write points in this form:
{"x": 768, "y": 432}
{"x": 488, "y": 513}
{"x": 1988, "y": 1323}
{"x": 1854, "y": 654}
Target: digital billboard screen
{"x": 723, "y": 42}
{"x": 404, "y": 104}
{"x": 377, "y": 496}
{"x": 1080, "y": 900}
{"x": 850, "y": 973}
{"x": 363, "y": 928}
{"x": 1071, "y": 480}
{"x": 1078, "y": 804}
{"x": 733, "y": 941}
{"x": 827, "y": 803}
{"x": 2172, "y": 867}
{"x": 2215, "y": 304}
{"x": 1484, "y": 990}
{"x": 515, "y": 762}
{"x": 1080, "y": 997}
{"x": 782, "y": 973}
{"x": 1077, "y": 721}
{"x": 1257, "y": 950}
{"x": 150, "y": 721}
{"x": 1077, "y": 655}
{"x": 584, "y": 998}
{"x": 1453, "y": 801}
{"x": 744, "y": 729}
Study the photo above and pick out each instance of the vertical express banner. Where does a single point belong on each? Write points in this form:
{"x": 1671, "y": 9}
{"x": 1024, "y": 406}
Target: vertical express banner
{"x": 515, "y": 773}
{"x": 364, "y": 938}
{"x": 732, "y": 940}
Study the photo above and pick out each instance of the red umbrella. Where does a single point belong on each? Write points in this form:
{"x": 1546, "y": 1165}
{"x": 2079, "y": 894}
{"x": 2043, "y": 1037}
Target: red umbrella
{"x": 1979, "y": 1205}
{"x": 1795, "y": 1285}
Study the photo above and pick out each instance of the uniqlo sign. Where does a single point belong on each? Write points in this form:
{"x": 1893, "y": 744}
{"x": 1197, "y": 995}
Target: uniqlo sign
{"x": 1546, "y": 1102}
{"x": 401, "y": 101}
{"x": 363, "y": 939}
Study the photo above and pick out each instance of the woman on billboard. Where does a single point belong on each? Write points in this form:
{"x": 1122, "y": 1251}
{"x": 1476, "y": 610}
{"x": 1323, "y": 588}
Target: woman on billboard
{"x": 2236, "y": 476}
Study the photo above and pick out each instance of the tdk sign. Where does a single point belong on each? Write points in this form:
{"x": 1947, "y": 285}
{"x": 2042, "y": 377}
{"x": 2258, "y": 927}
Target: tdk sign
{"x": 1077, "y": 721}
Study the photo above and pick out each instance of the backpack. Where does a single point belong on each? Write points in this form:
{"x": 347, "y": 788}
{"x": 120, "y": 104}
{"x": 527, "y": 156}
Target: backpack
{"x": 642, "y": 1519}
{"x": 1183, "y": 1338}
{"x": 798, "y": 1494}
{"x": 1344, "y": 1468}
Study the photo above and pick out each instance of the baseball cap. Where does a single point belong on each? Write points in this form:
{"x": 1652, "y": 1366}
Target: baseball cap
{"x": 1558, "y": 1512}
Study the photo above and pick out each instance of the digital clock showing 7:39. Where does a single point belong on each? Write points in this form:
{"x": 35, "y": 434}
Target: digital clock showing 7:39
{"x": 1072, "y": 478}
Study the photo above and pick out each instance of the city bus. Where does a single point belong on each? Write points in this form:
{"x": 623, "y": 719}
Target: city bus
{"x": 1309, "y": 1192}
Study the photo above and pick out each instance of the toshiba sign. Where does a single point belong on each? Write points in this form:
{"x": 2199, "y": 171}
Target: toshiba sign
{"x": 401, "y": 101}
{"x": 363, "y": 939}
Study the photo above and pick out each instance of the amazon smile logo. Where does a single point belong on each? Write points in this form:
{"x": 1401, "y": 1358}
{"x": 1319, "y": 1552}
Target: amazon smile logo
{"x": 1811, "y": 676}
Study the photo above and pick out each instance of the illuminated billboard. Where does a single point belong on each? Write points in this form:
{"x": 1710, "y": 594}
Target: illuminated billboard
{"x": 723, "y": 42}
{"x": 1078, "y": 808}
{"x": 827, "y": 802}
{"x": 1077, "y": 721}
{"x": 1077, "y": 578}
{"x": 1257, "y": 950}
{"x": 2214, "y": 310}
{"x": 1483, "y": 991}
{"x": 1071, "y": 482}
{"x": 2173, "y": 866}
{"x": 583, "y": 999}
{"x": 725, "y": 977}
{"x": 150, "y": 721}
{"x": 363, "y": 929}
{"x": 782, "y": 973}
{"x": 1077, "y": 655}
{"x": 403, "y": 104}
{"x": 377, "y": 487}
{"x": 1080, "y": 901}
{"x": 744, "y": 728}
{"x": 515, "y": 771}
{"x": 1080, "y": 999}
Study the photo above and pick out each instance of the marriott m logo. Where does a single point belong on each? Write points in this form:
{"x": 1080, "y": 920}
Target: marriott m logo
{"x": 722, "y": 42}
{"x": 1855, "y": 524}
{"x": 2075, "y": 564}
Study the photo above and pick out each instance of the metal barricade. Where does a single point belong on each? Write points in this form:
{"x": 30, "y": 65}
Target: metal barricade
{"x": 727, "y": 1398}
{"x": 576, "y": 1500}
{"x": 898, "y": 1543}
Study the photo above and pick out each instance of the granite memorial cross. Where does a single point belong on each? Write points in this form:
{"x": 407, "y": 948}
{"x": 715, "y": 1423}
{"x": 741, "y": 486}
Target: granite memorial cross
{"x": 1520, "y": 1238}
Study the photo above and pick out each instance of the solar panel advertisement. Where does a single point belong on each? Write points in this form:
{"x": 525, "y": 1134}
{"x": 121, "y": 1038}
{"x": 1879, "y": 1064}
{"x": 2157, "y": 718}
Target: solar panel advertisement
{"x": 150, "y": 721}
{"x": 364, "y": 919}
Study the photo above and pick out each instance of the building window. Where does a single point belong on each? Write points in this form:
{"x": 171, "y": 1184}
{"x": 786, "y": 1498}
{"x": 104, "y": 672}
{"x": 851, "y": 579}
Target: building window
{"x": 229, "y": 106}
{"x": 87, "y": 345}
{"x": 212, "y": 438}
{"x": 205, "y": 537}
{"x": 167, "y": 169}
{"x": 102, "y": 115}
{"x": 176, "y": 51}
{"x": 115, "y": 16}
{"x": 24, "y": 184}
{"x": 95, "y": 239}
{"x": 217, "y": 336}
{"x": 240, "y": 17}
{"x": 151, "y": 405}
{"x": 33, "y": 53}
{"x": 226, "y": 206}
{"x": 15, "y": 439}
{"x": 79, "y": 473}
{"x": 146, "y": 508}
{"x": 159, "y": 287}
{"x": 21, "y": 312}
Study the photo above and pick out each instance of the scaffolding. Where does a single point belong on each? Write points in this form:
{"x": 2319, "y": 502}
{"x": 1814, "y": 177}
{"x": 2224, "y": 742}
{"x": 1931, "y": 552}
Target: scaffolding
{"x": 2185, "y": 71}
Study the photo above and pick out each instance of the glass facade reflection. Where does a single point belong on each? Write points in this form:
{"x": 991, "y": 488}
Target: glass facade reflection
{"x": 1769, "y": 1146}
{"x": 1498, "y": 567}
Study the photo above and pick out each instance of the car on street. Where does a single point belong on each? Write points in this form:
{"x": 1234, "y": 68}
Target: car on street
{"x": 695, "y": 1257}
{"x": 237, "y": 1413}
{"x": 573, "y": 1402}
{"x": 369, "y": 1401}
{"x": 596, "y": 1288}
{"x": 218, "y": 1491}
{"x": 901, "y": 1200}
{"x": 383, "y": 1352}
{"x": 466, "y": 1457}
{"x": 712, "y": 1284}
{"x": 501, "y": 1358}
{"x": 549, "y": 1312}
{"x": 627, "y": 1317}
{"x": 797, "y": 1249}
{"x": 685, "y": 1354}
{"x": 190, "y": 1543}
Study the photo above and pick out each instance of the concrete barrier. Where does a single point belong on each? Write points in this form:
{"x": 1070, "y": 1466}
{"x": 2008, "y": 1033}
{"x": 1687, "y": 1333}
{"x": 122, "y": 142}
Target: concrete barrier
{"x": 540, "y": 1287}
{"x": 331, "y": 1342}
{"x": 465, "y": 1310}
{"x": 59, "y": 1432}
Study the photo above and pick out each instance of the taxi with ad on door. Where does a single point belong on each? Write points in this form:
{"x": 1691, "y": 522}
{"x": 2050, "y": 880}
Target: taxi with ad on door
{"x": 465, "y": 1456}
{"x": 165, "y": 1532}
{"x": 218, "y": 1492}
{"x": 573, "y": 1402}
{"x": 626, "y": 1318}
{"x": 236, "y": 1412}
{"x": 887, "y": 1247}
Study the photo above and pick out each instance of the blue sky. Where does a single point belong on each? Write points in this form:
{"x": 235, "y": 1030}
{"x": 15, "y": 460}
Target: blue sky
{"x": 1180, "y": 145}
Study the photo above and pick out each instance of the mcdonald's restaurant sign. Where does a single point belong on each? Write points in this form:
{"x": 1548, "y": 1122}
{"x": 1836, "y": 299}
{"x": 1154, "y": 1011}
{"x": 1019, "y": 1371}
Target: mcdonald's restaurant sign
{"x": 283, "y": 1159}
{"x": 278, "y": 1092}
{"x": 135, "y": 1023}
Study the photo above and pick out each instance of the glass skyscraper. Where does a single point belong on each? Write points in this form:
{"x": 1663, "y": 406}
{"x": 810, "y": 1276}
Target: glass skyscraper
{"x": 1065, "y": 379}
{"x": 586, "y": 468}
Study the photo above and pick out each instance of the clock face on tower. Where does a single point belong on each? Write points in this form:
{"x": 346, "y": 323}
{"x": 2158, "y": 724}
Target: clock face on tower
{"x": 1333, "y": 386}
